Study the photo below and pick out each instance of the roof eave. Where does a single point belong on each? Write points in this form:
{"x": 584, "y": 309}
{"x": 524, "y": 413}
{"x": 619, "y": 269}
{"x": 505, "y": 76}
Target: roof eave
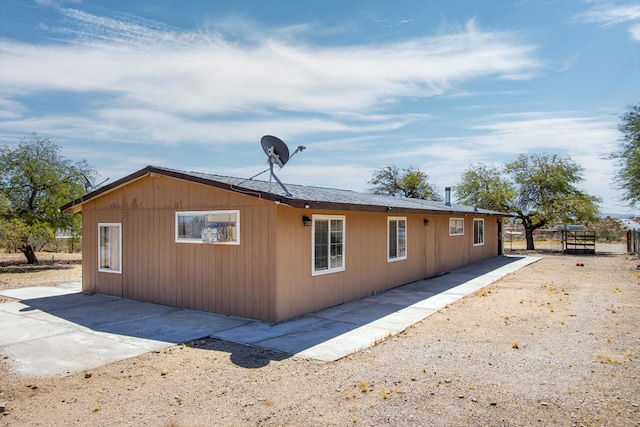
{"x": 337, "y": 206}
{"x": 75, "y": 206}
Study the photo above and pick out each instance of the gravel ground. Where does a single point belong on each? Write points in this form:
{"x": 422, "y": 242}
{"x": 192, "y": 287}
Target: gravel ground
{"x": 53, "y": 269}
{"x": 555, "y": 343}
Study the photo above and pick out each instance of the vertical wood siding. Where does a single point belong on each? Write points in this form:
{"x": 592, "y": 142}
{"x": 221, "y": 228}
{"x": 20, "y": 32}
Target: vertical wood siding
{"x": 430, "y": 251}
{"x": 268, "y": 276}
{"x": 228, "y": 279}
{"x": 92, "y": 279}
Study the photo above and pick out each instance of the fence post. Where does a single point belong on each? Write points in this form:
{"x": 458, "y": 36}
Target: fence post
{"x": 633, "y": 242}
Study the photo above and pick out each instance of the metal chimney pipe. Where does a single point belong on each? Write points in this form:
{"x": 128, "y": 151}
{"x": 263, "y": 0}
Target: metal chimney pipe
{"x": 447, "y": 196}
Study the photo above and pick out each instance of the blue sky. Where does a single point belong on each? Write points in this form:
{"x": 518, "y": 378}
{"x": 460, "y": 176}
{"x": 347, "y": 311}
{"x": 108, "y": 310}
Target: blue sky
{"x": 439, "y": 85}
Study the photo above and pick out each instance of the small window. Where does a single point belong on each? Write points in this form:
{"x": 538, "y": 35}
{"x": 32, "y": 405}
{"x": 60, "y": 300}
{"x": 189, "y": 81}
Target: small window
{"x": 327, "y": 244}
{"x": 208, "y": 227}
{"x": 478, "y": 232}
{"x": 397, "y": 242}
{"x": 110, "y": 248}
{"x": 456, "y": 226}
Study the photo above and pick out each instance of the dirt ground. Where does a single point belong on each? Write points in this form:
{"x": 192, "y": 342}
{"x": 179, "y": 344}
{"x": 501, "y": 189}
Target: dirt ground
{"x": 53, "y": 269}
{"x": 555, "y": 343}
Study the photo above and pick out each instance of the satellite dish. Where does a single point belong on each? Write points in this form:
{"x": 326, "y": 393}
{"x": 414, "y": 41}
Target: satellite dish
{"x": 90, "y": 186}
{"x": 276, "y": 149}
{"x": 278, "y": 153}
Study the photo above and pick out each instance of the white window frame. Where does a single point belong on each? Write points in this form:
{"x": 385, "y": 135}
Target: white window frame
{"x": 397, "y": 220}
{"x": 329, "y": 269}
{"x": 109, "y": 251}
{"x": 476, "y": 237}
{"x": 455, "y": 228}
{"x": 200, "y": 241}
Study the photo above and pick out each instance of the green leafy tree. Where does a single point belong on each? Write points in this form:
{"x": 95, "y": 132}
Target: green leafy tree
{"x": 35, "y": 180}
{"x": 410, "y": 182}
{"x": 628, "y": 156}
{"x": 538, "y": 189}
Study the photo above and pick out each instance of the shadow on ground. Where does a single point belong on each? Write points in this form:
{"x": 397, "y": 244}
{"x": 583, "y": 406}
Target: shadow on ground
{"x": 245, "y": 356}
{"x": 75, "y": 323}
{"x": 15, "y": 267}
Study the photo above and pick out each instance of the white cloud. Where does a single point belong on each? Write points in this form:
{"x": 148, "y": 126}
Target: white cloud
{"x": 144, "y": 126}
{"x": 568, "y": 63}
{"x": 54, "y": 3}
{"x": 149, "y": 65}
{"x": 634, "y": 32}
{"x": 586, "y": 139}
{"x": 503, "y": 137}
{"x": 144, "y": 81}
{"x": 610, "y": 14}
{"x": 10, "y": 109}
{"x": 549, "y": 132}
{"x": 45, "y": 3}
{"x": 166, "y": 92}
{"x": 96, "y": 30}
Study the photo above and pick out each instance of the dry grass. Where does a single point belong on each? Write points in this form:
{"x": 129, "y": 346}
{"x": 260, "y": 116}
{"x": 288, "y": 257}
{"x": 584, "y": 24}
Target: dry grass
{"x": 606, "y": 360}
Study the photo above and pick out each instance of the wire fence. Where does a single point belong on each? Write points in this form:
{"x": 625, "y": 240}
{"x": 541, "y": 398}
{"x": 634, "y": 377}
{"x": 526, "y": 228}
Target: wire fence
{"x": 546, "y": 240}
{"x": 560, "y": 240}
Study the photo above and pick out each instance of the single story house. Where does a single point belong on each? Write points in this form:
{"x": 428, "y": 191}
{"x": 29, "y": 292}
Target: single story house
{"x": 242, "y": 247}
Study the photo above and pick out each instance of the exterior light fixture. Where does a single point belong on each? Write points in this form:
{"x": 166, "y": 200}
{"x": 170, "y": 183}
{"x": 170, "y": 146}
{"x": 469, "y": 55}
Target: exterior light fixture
{"x": 277, "y": 201}
{"x": 306, "y": 221}
{"x": 307, "y": 205}
{"x": 426, "y": 221}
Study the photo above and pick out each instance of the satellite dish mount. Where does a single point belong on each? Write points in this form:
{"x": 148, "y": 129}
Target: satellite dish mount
{"x": 277, "y": 153}
{"x": 89, "y": 186}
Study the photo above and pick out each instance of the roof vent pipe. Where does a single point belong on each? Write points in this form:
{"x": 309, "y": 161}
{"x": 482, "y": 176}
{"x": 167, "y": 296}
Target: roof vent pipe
{"x": 447, "y": 196}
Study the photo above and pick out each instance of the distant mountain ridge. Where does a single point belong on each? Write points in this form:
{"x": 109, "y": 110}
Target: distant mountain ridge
{"x": 616, "y": 215}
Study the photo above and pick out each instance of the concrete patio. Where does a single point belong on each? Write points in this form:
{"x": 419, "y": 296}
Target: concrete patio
{"x": 59, "y": 330}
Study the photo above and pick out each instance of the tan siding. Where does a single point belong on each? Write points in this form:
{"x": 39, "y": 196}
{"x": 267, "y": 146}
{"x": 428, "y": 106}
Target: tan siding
{"x": 490, "y": 247}
{"x": 137, "y": 246}
{"x": 268, "y": 276}
{"x": 163, "y": 289}
{"x": 229, "y": 279}
{"x": 254, "y": 277}
{"x": 412, "y": 268}
{"x": 452, "y": 251}
{"x": 366, "y": 267}
{"x": 430, "y": 254}
{"x": 267, "y": 254}
{"x": 107, "y": 283}
{"x": 112, "y": 200}
{"x": 138, "y": 195}
{"x": 90, "y": 248}
{"x": 293, "y": 260}
{"x": 430, "y": 251}
{"x": 182, "y": 271}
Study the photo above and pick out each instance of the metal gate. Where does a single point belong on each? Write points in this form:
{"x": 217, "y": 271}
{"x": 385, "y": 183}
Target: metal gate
{"x": 578, "y": 242}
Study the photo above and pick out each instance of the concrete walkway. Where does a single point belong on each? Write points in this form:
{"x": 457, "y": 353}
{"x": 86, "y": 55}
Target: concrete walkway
{"x": 59, "y": 330}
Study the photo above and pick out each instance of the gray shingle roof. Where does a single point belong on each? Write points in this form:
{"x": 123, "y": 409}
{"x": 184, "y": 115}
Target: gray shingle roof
{"x": 303, "y": 193}
{"x": 316, "y": 197}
